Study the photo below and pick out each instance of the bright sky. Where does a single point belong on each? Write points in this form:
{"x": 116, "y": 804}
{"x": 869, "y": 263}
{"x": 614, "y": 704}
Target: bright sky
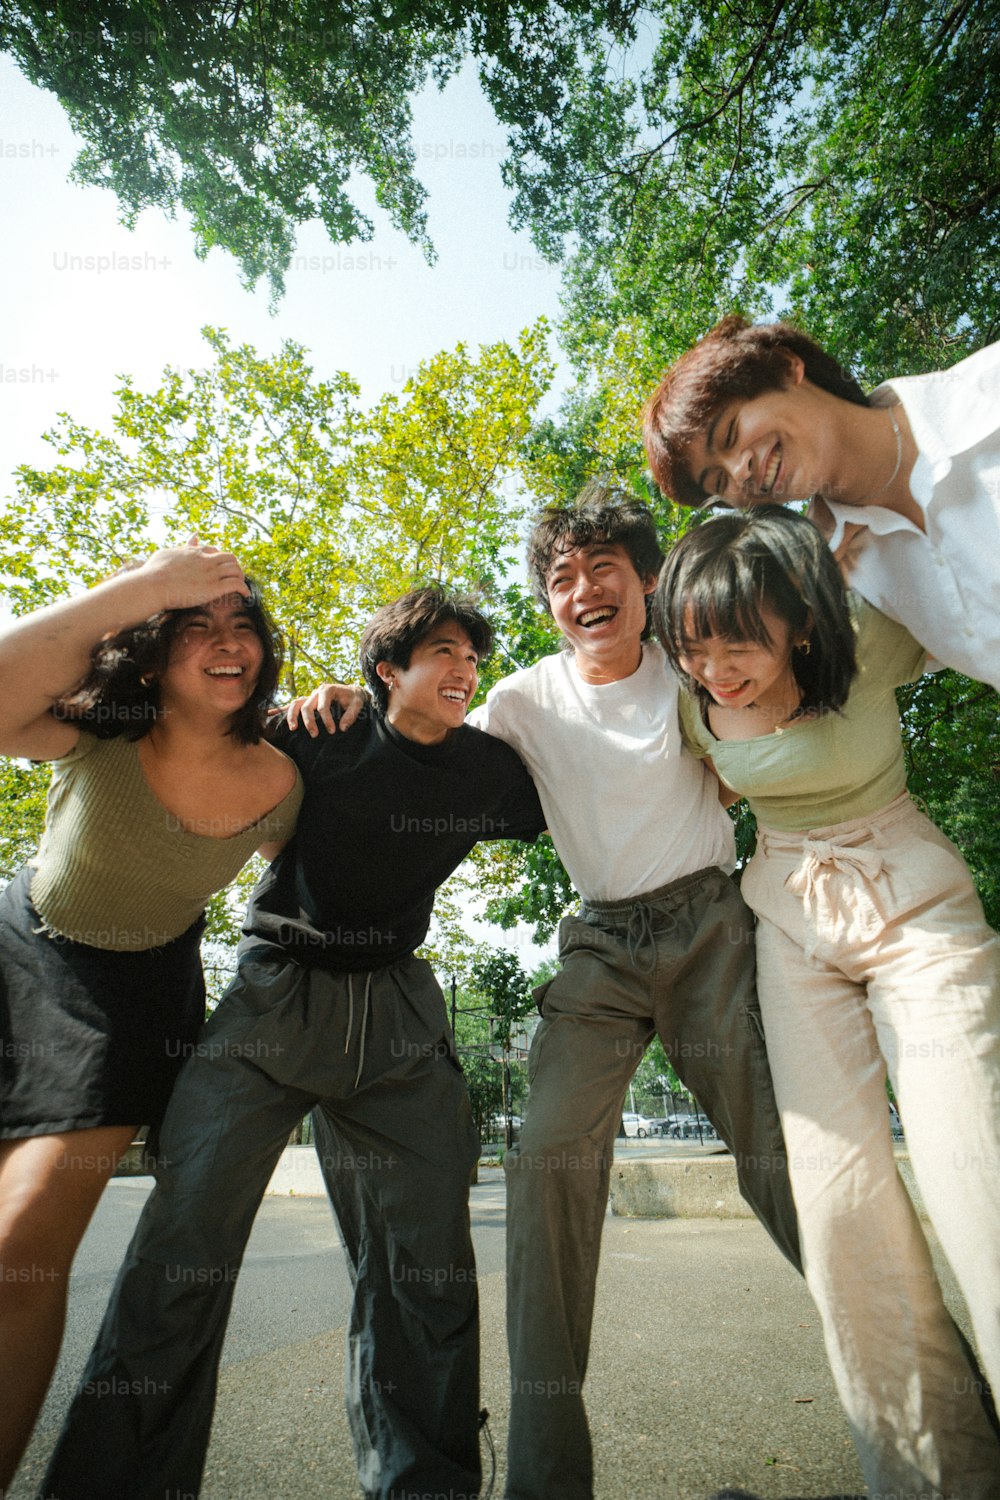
{"x": 72, "y": 323}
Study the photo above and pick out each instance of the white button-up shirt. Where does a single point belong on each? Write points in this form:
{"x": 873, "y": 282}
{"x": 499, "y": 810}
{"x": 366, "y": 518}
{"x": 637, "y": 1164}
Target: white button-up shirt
{"x": 942, "y": 583}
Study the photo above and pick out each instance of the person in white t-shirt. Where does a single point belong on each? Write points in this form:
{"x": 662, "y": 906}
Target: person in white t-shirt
{"x": 904, "y": 482}
{"x": 663, "y": 944}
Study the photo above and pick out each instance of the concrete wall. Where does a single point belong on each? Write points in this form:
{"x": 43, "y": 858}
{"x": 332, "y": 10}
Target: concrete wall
{"x": 659, "y": 1187}
{"x": 697, "y": 1188}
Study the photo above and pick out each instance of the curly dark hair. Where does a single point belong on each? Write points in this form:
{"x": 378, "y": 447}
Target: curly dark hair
{"x": 121, "y": 692}
{"x": 602, "y": 513}
{"x": 735, "y": 361}
{"x": 395, "y": 630}
{"x": 721, "y": 573}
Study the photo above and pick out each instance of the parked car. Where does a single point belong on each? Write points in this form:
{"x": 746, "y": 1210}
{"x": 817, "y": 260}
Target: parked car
{"x": 494, "y": 1127}
{"x": 638, "y": 1125}
{"x": 691, "y": 1126}
{"x": 662, "y": 1125}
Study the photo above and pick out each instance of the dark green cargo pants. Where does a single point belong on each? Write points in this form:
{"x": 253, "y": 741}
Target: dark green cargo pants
{"x": 678, "y": 962}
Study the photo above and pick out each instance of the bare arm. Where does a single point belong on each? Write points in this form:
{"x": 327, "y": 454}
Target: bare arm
{"x": 726, "y": 794}
{"x": 48, "y": 652}
{"x": 271, "y": 851}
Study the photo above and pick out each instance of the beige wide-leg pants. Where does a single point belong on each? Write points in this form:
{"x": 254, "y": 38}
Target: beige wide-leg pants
{"x": 874, "y": 956}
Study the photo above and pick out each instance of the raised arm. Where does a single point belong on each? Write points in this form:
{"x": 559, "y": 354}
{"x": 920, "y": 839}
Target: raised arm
{"x": 45, "y": 654}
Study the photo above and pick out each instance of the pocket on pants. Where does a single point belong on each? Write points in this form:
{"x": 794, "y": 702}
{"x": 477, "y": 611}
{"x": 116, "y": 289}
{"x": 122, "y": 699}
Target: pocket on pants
{"x": 764, "y": 891}
{"x": 539, "y": 992}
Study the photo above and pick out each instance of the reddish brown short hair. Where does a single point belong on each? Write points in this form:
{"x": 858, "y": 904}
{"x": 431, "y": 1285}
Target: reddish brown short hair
{"x": 735, "y": 361}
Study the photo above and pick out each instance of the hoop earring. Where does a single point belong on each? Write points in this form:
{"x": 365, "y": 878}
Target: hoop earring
{"x": 804, "y": 646}
{"x": 147, "y": 679}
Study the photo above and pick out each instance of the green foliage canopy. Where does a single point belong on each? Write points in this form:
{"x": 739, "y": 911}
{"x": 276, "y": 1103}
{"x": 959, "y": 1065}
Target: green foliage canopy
{"x": 334, "y": 507}
{"x": 253, "y": 115}
{"x": 837, "y": 161}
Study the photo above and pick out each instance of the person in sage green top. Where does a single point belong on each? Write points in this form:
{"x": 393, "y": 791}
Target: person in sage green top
{"x": 147, "y": 692}
{"x": 873, "y": 957}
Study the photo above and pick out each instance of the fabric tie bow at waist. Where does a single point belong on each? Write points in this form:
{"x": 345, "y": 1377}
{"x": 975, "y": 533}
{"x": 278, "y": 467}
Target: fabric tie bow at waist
{"x": 819, "y": 852}
{"x": 830, "y": 909}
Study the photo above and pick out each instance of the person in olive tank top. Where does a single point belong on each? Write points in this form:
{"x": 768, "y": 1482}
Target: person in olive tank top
{"x": 147, "y": 694}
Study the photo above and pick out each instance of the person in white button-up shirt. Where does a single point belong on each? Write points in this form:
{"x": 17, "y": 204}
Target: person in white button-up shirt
{"x": 904, "y": 482}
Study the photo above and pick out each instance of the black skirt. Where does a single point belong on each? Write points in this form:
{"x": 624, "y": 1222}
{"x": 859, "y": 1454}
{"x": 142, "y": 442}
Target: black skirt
{"x": 89, "y": 1037}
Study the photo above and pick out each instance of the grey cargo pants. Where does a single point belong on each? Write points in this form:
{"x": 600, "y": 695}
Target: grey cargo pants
{"x": 678, "y": 961}
{"x": 372, "y": 1055}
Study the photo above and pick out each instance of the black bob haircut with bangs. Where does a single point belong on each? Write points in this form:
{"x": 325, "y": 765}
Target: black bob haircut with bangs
{"x": 722, "y": 573}
{"x": 394, "y": 631}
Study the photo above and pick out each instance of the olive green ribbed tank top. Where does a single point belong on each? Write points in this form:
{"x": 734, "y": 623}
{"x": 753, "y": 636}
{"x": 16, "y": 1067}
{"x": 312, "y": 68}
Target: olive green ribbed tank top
{"x": 115, "y": 869}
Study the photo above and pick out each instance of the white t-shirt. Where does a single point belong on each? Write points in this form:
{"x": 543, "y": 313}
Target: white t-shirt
{"x": 942, "y": 584}
{"x": 628, "y": 808}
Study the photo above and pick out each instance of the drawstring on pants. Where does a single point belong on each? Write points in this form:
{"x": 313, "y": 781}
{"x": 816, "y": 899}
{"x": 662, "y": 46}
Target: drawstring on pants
{"x": 641, "y": 937}
{"x": 364, "y": 1020}
{"x": 484, "y": 1428}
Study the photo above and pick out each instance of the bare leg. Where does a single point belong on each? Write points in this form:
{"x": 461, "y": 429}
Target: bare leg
{"x": 49, "y": 1187}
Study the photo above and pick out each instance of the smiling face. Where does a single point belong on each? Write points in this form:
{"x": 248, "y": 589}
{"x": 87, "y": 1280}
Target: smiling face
{"x": 744, "y": 674}
{"x": 772, "y": 448}
{"x": 214, "y": 661}
{"x": 430, "y": 698}
{"x": 598, "y": 601}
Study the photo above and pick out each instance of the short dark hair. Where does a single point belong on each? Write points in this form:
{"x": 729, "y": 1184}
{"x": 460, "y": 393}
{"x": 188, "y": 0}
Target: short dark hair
{"x": 396, "y": 629}
{"x": 735, "y": 361}
{"x": 721, "y": 573}
{"x": 114, "y": 698}
{"x": 602, "y": 513}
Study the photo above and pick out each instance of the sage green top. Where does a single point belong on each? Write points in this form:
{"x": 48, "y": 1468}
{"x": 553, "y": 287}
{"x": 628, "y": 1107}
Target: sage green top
{"x": 827, "y": 768}
{"x": 115, "y": 868}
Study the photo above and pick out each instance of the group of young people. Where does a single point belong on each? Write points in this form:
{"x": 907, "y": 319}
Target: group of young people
{"x": 740, "y": 666}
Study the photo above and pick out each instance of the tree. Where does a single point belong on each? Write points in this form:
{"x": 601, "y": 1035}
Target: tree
{"x": 498, "y": 976}
{"x": 952, "y": 736}
{"x": 253, "y": 115}
{"x": 482, "y": 1071}
{"x": 655, "y": 1078}
{"x": 500, "y": 979}
{"x": 835, "y": 161}
{"x": 834, "y": 164}
{"x": 333, "y": 507}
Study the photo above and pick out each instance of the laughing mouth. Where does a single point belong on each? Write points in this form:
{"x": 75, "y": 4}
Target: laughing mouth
{"x": 771, "y": 472}
{"x": 453, "y": 695}
{"x": 225, "y": 671}
{"x": 597, "y": 616}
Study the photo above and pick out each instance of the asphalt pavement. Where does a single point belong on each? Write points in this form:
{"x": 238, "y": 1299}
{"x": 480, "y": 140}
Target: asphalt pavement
{"x": 707, "y": 1367}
